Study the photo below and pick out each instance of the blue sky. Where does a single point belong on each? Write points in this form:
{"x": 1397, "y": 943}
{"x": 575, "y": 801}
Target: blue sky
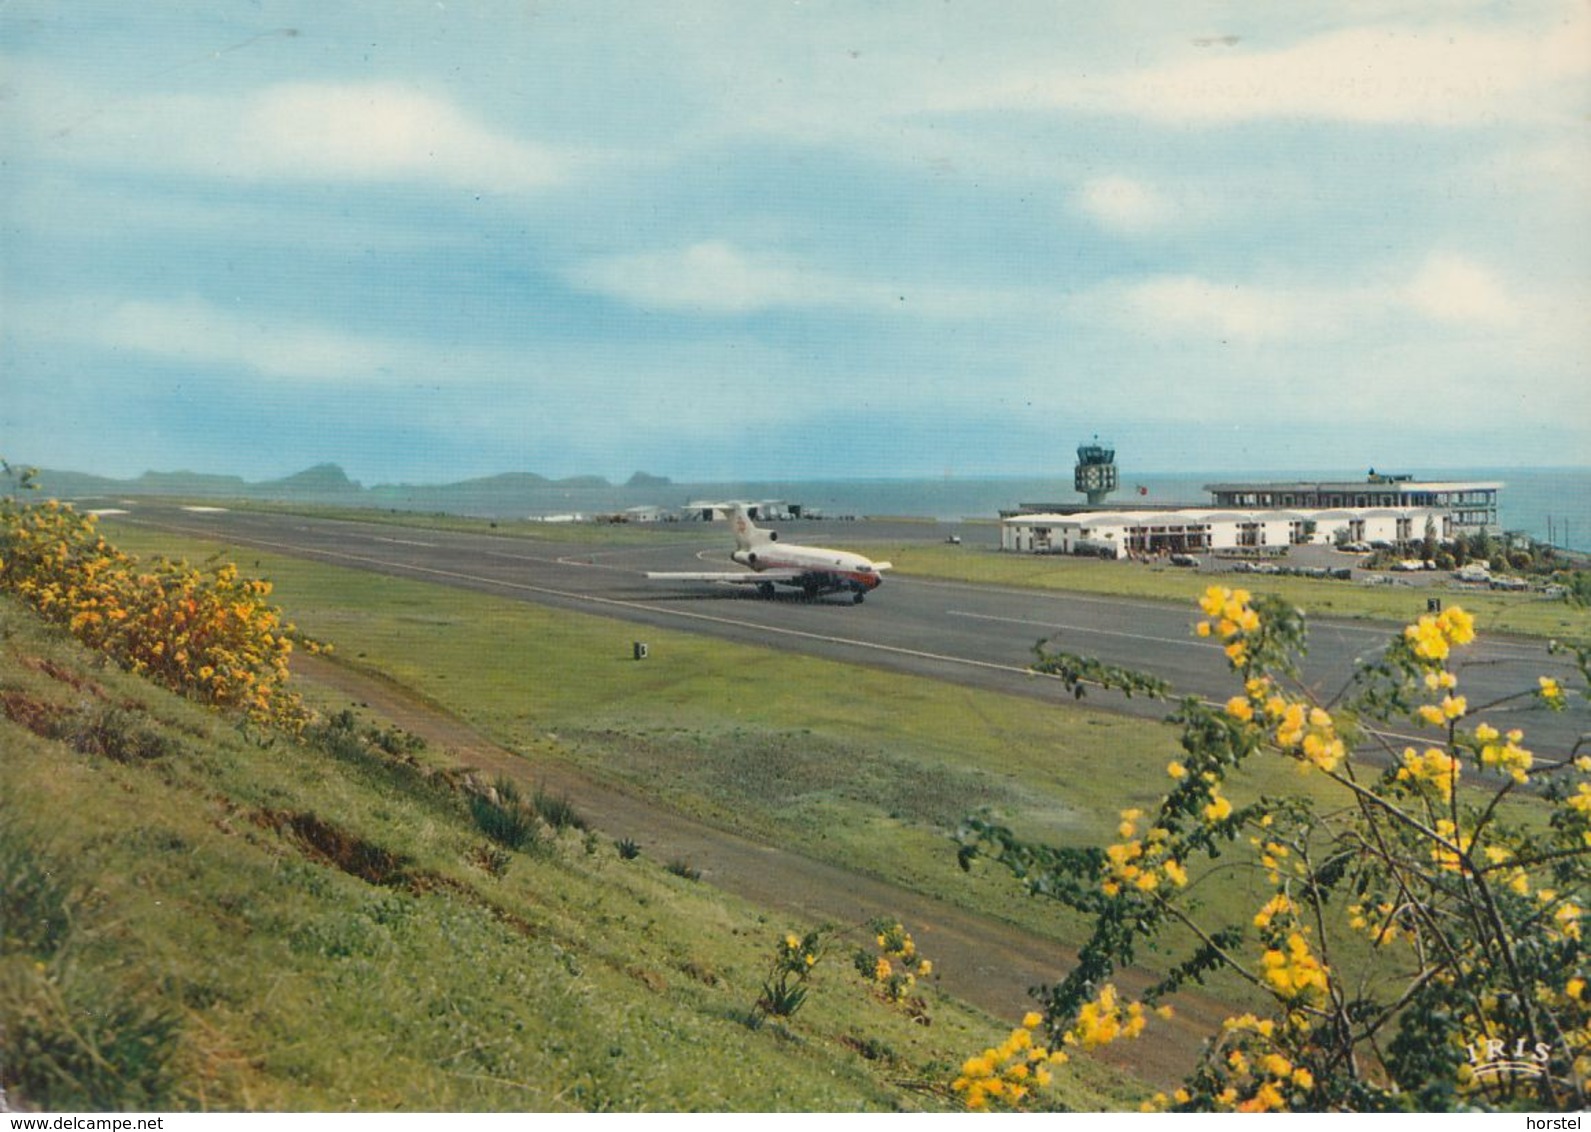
{"x": 779, "y": 240}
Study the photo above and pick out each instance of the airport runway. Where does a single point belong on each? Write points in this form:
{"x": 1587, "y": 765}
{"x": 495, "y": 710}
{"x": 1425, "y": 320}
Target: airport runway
{"x": 974, "y": 635}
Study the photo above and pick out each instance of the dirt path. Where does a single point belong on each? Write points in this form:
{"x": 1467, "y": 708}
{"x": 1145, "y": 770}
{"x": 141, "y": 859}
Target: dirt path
{"x": 985, "y": 962}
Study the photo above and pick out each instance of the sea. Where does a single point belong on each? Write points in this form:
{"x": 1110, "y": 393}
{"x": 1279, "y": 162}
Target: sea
{"x": 1549, "y": 504}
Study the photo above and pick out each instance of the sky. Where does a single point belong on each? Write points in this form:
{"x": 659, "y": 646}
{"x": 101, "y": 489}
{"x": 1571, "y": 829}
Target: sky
{"x": 787, "y": 239}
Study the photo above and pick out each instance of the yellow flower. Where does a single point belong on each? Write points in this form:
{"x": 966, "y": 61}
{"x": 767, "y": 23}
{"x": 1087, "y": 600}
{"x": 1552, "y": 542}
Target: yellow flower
{"x": 1219, "y": 809}
{"x": 1240, "y": 709}
{"x": 1435, "y": 769}
{"x": 1276, "y": 906}
{"x": 1176, "y": 769}
{"x": 1458, "y": 625}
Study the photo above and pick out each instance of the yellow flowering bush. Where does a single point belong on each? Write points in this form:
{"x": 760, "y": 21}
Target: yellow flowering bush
{"x": 207, "y": 633}
{"x": 784, "y": 990}
{"x": 893, "y": 967}
{"x": 1411, "y": 924}
{"x": 890, "y": 971}
{"x": 1006, "y": 1077}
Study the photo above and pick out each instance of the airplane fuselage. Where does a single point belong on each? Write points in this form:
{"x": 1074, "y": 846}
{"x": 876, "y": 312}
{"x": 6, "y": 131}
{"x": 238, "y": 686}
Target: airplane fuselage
{"x": 821, "y": 569}
{"x": 812, "y": 569}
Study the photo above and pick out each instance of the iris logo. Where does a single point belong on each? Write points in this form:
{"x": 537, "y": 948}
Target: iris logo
{"x": 1494, "y": 1059}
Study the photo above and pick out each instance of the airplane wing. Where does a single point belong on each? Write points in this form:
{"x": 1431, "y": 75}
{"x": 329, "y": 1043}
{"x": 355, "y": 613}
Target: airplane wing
{"x": 739, "y": 577}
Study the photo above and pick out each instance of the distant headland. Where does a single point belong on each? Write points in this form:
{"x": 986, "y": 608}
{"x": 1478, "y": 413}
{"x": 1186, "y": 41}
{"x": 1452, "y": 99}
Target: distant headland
{"x": 326, "y": 483}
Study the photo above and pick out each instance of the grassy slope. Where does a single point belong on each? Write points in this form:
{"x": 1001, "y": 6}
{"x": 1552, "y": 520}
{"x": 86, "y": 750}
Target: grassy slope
{"x": 575, "y": 980}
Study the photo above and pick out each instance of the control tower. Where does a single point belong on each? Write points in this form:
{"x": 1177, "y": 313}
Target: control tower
{"x": 1095, "y": 475}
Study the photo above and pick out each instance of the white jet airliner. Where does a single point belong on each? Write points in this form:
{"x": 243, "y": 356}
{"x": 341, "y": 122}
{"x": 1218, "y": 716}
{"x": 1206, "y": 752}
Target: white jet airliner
{"x": 811, "y": 569}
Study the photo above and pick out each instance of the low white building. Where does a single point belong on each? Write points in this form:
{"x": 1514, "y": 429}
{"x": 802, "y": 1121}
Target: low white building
{"x": 1121, "y": 534}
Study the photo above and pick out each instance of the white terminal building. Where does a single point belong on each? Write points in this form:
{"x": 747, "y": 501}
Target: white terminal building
{"x": 1262, "y": 517}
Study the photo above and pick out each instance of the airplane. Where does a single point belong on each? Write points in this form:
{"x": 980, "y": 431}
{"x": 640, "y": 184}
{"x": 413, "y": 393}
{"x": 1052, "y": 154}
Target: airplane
{"x": 814, "y": 570}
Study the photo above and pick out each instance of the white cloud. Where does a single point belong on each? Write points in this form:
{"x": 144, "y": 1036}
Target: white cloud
{"x": 711, "y": 277}
{"x": 199, "y": 334}
{"x": 1122, "y": 204}
{"x": 1193, "y": 307}
{"x": 381, "y": 132}
{"x": 1434, "y": 75}
{"x": 362, "y": 132}
{"x": 1451, "y": 289}
{"x": 715, "y": 277}
{"x": 1446, "y": 292}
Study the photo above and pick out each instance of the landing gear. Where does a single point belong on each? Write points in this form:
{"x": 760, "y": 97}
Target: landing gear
{"x": 857, "y": 597}
{"x": 765, "y": 589}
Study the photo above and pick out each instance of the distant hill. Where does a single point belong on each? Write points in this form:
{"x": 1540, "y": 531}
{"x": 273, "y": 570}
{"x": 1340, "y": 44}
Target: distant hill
{"x": 507, "y": 481}
{"x": 507, "y": 493}
{"x": 197, "y": 482}
{"x": 320, "y": 480}
{"x": 641, "y": 479}
{"x": 74, "y": 485}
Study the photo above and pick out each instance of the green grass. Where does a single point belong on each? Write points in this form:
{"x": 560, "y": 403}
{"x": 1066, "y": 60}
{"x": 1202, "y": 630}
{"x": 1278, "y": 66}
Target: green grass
{"x": 307, "y": 927}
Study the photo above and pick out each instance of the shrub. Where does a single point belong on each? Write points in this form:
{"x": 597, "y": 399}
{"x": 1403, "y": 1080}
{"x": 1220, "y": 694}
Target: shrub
{"x": 1420, "y": 945}
{"x": 504, "y": 817}
{"x": 784, "y": 989}
{"x": 206, "y": 633}
{"x": 683, "y": 868}
{"x": 557, "y": 812}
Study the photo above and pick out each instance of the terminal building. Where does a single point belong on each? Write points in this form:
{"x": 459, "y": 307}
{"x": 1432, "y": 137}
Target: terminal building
{"x": 1470, "y": 507}
{"x": 1261, "y": 518}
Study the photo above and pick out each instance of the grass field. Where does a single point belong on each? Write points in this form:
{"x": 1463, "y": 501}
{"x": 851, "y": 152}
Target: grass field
{"x": 320, "y": 926}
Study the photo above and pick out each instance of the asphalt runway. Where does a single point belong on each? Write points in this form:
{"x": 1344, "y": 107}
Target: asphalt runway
{"x": 981, "y": 636}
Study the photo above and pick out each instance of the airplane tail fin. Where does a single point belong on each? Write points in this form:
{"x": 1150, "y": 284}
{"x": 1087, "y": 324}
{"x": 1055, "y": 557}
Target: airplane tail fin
{"x": 747, "y": 533}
